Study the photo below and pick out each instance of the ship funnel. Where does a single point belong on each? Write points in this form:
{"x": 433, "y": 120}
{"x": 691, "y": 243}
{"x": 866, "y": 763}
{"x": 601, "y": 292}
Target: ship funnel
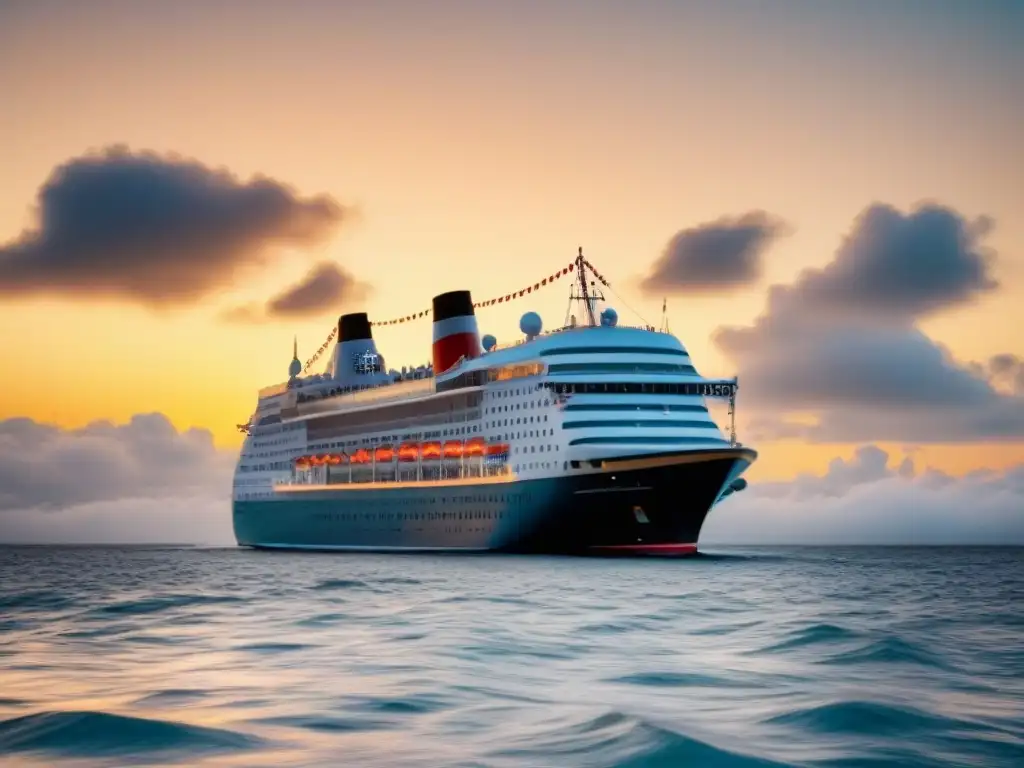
{"x": 356, "y": 359}
{"x": 455, "y": 331}
{"x": 354, "y": 327}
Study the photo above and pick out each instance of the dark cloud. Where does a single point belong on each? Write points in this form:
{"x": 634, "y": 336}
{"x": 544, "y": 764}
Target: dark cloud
{"x": 1007, "y": 370}
{"x": 157, "y": 230}
{"x": 872, "y": 499}
{"x": 900, "y": 266}
{"x": 326, "y": 287}
{"x": 841, "y": 342}
{"x": 714, "y": 256}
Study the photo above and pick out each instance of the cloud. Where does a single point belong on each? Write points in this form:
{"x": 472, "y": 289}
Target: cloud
{"x": 714, "y": 256}
{"x": 902, "y": 266}
{"x": 1007, "y": 370}
{"x": 143, "y": 481}
{"x": 158, "y": 230}
{"x": 146, "y": 482}
{"x": 324, "y": 287}
{"x": 842, "y": 342}
{"x": 868, "y": 500}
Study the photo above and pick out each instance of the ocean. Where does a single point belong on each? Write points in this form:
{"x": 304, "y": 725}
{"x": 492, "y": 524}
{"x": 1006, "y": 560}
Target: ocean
{"x": 135, "y": 656}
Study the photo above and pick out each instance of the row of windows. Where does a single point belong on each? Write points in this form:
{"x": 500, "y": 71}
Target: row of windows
{"x": 660, "y": 424}
{"x": 517, "y": 392}
{"x": 475, "y": 514}
{"x": 642, "y": 388}
{"x": 563, "y": 368}
{"x": 644, "y": 440}
{"x": 612, "y": 351}
{"x": 518, "y": 406}
{"x": 634, "y": 407}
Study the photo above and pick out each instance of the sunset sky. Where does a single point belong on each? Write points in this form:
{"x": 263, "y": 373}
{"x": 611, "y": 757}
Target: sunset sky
{"x": 703, "y": 151}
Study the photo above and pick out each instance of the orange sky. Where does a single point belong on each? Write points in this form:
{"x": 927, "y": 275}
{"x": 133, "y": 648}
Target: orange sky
{"x": 481, "y": 144}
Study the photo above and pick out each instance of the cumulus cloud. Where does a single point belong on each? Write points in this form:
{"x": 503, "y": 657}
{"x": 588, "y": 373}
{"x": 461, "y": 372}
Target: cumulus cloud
{"x": 140, "y": 481}
{"x": 1007, "y": 370}
{"x": 871, "y": 500}
{"x": 714, "y": 256}
{"x": 323, "y": 288}
{"x": 155, "y": 229}
{"x": 842, "y": 341}
{"x": 145, "y": 482}
{"x": 902, "y": 266}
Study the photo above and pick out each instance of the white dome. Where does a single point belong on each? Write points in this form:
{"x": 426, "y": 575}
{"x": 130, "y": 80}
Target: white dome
{"x": 531, "y": 324}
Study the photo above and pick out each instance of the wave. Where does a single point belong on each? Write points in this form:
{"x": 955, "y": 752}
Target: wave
{"x": 321, "y": 620}
{"x": 35, "y": 599}
{"x": 815, "y": 634}
{"x": 619, "y": 740}
{"x": 674, "y": 680}
{"x": 102, "y": 734}
{"x": 868, "y": 717}
{"x": 325, "y": 724}
{"x": 171, "y": 697}
{"x": 330, "y": 584}
{"x": 162, "y": 603}
{"x": 274, "y": 647}
{"x": 890, "y": 650}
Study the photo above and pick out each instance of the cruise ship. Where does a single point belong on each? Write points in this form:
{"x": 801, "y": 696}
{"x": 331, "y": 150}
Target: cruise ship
{"x": 590, "y": 439}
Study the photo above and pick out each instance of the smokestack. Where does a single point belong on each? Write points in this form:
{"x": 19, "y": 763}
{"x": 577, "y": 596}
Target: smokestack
{"x": 354, "y": 327}
{"x": 356, "y": 361}
{"x": 455, "y": 331}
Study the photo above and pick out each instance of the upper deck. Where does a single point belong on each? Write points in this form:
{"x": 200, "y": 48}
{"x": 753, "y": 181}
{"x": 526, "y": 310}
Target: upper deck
{"x": 564, "y": 357}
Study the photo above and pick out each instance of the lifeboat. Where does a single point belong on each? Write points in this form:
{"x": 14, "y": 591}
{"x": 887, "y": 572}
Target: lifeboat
{"x": 334, "y": 459}
{"x": 302, "y": 462}
{"x": 453, "y": 449}
{"x": 497, "y": 449}
{"x": 431, "y": 451}
{"x": 476, "y": 446}
{"x": 361, "y": 456}
{"x": 408, "y": 452}
{"x": 384, "y": 454}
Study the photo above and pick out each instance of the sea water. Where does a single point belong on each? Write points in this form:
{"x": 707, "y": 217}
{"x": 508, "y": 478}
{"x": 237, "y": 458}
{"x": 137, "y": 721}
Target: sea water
{"x": 741, "y": 657}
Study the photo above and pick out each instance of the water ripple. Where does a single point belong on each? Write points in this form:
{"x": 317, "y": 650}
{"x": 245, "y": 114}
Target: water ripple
{"x": 802, "y": 657}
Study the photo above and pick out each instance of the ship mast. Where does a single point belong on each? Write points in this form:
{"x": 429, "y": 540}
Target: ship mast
{"x": 581, "y": 292}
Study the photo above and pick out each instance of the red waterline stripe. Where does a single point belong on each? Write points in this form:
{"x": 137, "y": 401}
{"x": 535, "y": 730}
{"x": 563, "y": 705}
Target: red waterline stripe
{"x": 661, "y": 549}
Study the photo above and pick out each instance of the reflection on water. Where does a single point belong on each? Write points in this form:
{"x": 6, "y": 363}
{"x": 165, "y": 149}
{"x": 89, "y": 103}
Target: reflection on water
{"x": 752, "y": 657}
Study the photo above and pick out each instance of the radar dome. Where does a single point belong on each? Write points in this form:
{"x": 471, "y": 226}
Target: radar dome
{"x": 531, "y": 324}
{"x": 294, "y": 368}
{"x": 609, "y": 317}
{"x": 489, "y": 342}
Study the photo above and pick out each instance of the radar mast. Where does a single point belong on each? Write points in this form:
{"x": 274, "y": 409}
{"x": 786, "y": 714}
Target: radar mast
{"x": 589, "y": 295}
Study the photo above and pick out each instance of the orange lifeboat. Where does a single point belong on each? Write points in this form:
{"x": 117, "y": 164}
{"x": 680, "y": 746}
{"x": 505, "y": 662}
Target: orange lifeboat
{"x": 497, "y": 449}
{"x": 302, "y": 462}
{"x": 453, "y": 449}
{"x": 475, "y": 446}
{"x": 361, "y": 456}
{"x": 384, "y": 453}
{"x": 334, "y": 459}
{"x": 408, "y": 452}
{"x": 431, "y": 450}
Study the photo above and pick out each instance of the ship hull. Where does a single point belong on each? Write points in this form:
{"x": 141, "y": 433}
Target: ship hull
{"x": 651, "y": 505}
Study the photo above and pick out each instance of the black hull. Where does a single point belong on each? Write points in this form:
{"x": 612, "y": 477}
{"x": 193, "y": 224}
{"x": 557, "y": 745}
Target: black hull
{"x": 655, "y": 505}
